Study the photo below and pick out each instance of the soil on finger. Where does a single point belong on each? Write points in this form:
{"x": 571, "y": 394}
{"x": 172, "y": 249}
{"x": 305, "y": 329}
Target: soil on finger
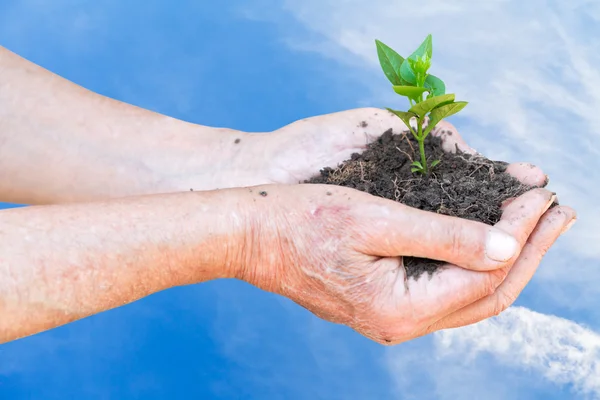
{"x": 461, "y": 185}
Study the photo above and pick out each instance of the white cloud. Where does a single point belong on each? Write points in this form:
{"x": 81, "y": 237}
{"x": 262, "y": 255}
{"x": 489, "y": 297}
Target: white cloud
{"x": 501, "y": 358}
{"x": 560, "y": 350}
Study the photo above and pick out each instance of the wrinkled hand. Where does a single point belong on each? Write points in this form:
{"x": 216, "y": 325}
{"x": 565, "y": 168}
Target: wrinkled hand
{"x": 338, "y": 252}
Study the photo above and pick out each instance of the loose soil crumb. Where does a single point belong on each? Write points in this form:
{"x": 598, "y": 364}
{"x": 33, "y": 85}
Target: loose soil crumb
{"x": 461, "y": 185}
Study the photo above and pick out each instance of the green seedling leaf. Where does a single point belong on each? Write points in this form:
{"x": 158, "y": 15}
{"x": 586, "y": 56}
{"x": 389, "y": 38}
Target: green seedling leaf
{"x": 435, "y": 85}
{"x": 421, "y": 109}
{"x": 407, "y": 73}
{"x": 412, "y": 92}
{"x": 434, "y": 163}
{"x": 409, "y": 91}
{"x": 419, "y": 62}
{"x": 390, "y": 62}
{"x": 443, "y": 112}
{"x": 405, "y": 117}
{"x": 420, "y": 66}
{"x": 416, "y": 166}
{"x": 425, "y": 49}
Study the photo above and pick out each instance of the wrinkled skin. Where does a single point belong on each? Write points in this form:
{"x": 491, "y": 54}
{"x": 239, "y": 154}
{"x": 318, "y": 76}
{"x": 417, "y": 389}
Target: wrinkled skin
{"x": 338, "y": 252}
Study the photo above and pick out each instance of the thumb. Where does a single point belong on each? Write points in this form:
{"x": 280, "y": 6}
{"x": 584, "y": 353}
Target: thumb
{"x": 400, "y": 230}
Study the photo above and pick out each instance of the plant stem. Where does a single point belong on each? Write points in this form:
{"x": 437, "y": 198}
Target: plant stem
{"x": 421, "y": 140}
{"x": 423, "y": 159}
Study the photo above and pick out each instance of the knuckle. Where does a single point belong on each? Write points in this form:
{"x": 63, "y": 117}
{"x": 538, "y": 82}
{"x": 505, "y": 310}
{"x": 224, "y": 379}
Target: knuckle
{"x": 386, "y": 333}
{"x": 386, "y": 341}
{"x": 540, "y": 249}
{"x": 503, "y": 300}
{"x": 494, "y": 280}
{"x": 498, "y": 276}
{"x": 490, "y": 287}
{"x": 456, "y": 236}
{"x": 386, "y": 338}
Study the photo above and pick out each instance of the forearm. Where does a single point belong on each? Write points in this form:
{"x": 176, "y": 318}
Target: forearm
{"x": 60, "y": 263}
{"x": 61, "y": 143}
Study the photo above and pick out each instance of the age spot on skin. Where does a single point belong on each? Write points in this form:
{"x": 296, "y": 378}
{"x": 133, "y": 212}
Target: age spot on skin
{"x": 334, "y": 211}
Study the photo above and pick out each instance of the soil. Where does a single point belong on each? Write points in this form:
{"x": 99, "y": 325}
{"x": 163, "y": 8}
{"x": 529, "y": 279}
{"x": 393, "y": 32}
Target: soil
{"x": 461, "y": 185}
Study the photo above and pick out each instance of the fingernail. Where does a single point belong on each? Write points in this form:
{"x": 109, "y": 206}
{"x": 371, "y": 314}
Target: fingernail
{"x": 500, "y": 246}
{"x": 568, "y": 226}
{"x": 551, "y": 201}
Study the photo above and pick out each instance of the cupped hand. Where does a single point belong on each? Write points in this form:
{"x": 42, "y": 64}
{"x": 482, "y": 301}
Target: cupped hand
{"x": 298, "y": 151}
{"x": 466, "y": 291}
{"x": 338, "y": 252}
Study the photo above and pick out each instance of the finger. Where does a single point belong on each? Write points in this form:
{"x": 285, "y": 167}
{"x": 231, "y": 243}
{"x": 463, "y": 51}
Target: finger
{"x": 528, "y": 174}
{"x": 506, "y": 202}
{"x": 404, "y": 231}
{"x": 551, "y": 226}
{"x": 456, "y": 288}
{"x": 512, "y": 221}
{"x": 421, "y": 302}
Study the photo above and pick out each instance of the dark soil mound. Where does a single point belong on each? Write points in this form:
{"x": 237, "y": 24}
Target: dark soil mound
{"x": 461, "y": 185}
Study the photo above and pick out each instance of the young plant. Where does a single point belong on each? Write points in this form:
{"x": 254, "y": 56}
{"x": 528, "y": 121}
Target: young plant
{"x": 410, "y": 78}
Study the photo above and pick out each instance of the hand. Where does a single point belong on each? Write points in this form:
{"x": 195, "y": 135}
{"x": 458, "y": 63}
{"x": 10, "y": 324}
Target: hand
{"x": 221, "y": 158}
{"x": 338, "y": 252}
{"x": 300, "y": 150}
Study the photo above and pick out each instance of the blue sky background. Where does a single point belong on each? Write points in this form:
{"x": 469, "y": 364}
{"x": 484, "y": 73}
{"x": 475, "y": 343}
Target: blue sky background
{"x": 531, "y": 75}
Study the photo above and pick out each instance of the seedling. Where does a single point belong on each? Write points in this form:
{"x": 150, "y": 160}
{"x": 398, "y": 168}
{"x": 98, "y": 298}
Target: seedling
{"x": 410, "y": 79}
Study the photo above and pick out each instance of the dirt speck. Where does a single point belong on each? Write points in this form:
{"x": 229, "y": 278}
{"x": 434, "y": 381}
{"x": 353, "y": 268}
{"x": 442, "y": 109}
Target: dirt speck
{"x": 263, "y": 193}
